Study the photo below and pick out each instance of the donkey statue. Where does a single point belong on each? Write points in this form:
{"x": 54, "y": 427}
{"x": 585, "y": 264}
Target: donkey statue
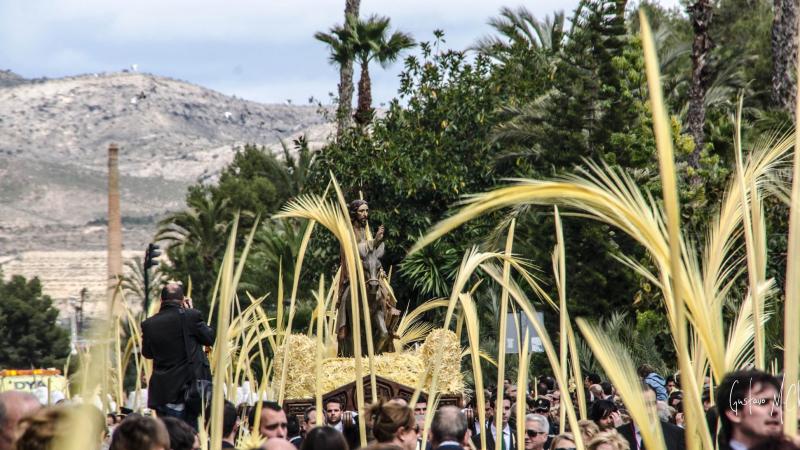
{"x": 384, "y": 317}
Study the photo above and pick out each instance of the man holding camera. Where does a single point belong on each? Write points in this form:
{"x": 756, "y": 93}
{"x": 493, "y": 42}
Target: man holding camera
{"x": 174, "y": 340}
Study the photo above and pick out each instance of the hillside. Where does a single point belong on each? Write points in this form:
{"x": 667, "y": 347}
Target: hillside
{"x": 171, "y": 133}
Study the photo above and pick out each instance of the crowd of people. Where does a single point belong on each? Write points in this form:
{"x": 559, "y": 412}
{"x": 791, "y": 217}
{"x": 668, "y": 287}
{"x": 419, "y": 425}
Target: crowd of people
{"x": 746, "y": 410}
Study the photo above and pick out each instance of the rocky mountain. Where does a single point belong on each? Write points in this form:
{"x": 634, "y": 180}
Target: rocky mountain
{"x": 54, "y": 135}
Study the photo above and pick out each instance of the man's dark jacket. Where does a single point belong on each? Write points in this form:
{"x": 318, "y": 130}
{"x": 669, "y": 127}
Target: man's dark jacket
{"x": 673, "y": 436}
{"x": 490, "y": 439}
{"x": 450, "y": 447}
{"x": 163, "y": 342}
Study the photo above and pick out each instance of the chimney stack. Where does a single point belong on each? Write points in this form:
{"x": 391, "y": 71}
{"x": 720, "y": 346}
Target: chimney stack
{"x": 114, "y": 222}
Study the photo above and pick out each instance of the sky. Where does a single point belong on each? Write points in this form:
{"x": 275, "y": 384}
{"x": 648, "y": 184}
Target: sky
{"x": 261, "y": 50}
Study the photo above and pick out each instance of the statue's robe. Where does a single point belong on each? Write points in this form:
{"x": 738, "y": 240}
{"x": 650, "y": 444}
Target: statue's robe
{"x": 363, "y": 239}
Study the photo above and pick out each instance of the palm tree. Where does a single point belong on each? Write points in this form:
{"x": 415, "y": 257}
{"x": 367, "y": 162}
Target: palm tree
{"x": 133, "y": 282}
{"x": 784, "y": 54}
{"x": 201, "y": 227}
{"x": 365, "y": 41}
{"x": 370, "y": 43}
{"x": 700, "y": 14}
{"x": 519, "y": 29}
{"x": 340, "y": 41}
{"x": 297, "y": 165}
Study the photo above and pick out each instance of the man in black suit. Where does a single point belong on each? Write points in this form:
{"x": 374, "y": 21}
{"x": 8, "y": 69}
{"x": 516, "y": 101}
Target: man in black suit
{"x": 174, "y": 340}
{"x": 673, "y": 435}
{"x": 449, "y": 429}
{"x": 509, "y": 441}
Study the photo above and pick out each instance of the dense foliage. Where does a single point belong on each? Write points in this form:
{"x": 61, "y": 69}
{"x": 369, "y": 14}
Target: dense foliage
{"x": 31, "y": 338}
{"x": 540, "y": 98}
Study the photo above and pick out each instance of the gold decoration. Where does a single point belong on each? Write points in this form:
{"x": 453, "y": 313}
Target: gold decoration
{"x": 402, "y": 367}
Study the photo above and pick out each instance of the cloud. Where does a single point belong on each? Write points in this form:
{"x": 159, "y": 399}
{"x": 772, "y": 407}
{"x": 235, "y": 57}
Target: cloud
{"x": 259, "y": 49}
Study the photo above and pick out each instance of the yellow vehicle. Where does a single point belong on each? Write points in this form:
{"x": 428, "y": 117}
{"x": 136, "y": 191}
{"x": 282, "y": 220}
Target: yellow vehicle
{"x": 46, "y": 384}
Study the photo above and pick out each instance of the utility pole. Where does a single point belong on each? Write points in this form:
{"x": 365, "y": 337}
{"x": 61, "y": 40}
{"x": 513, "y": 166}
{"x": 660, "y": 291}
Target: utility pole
{"x": 84, "y": 294}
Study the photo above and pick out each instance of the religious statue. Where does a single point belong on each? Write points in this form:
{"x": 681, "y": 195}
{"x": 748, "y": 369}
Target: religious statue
{"x": 382, "y": 312}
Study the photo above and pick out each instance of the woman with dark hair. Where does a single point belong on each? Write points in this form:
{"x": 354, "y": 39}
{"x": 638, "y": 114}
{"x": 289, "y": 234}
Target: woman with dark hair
{"x": 394, "y": 423}
{"x": 181, "y": 435}
{"x": 324, "y": 438}
{"x": 605, "y": 414}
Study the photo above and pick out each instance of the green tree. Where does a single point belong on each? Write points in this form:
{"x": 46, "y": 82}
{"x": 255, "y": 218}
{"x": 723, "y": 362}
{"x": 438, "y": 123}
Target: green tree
{"x": 340, "y": 41}
{"x": 196, "y": 238}
{"x": 526, "y": 51}
{"x": 31, "y": 337}
{"x": 365, "y": 41}
{"x": 372, "y": 42}
{"x": 784, "y": 54}
{"x": 431, "y": 147}
{"x": 257, "y": 183}
{"x": 595, "y": 108}
{"x": 133, "y": 287}
{"x": 701, "y": 13}
{"x": 520, "y": 30}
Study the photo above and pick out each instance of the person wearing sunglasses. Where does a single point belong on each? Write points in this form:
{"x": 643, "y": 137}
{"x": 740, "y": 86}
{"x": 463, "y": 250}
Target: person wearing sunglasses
{"x": 536, "y": 430}
{"x": 564, "y": 441}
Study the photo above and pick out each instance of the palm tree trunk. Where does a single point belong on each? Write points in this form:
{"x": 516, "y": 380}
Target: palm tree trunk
{"x": 784, "y": 54}
{"x": 364, "y": 112}
{"x": 343, "y": 112}
{"x": 700, "y": 13}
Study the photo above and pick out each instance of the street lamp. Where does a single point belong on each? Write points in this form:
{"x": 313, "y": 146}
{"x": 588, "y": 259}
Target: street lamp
{"x": 153, "y": 251}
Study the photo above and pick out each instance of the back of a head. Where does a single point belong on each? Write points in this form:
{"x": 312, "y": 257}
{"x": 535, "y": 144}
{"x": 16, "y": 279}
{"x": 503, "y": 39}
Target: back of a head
{"x": 229, "y": 416}
{"x": 172, "y": 292}
{"x": 449, "y": 424}
{"x": 181, "y": 435}
{"x": 324, "y": 438}
{"x": 292, "y": 425}
{"x": 42, "y": 428}
{"x": 14, "y": 405}
{"x": 140, "y": 433}
{"x": 644, "y": 370}
{"x": 17, "y": 403}
{"x": 608, "y": 388}
{"x": 278, "y": 444}
{"x": 53, "y": 427}
{"x": 381, "y": 446}
{"x": 389, "y": 417}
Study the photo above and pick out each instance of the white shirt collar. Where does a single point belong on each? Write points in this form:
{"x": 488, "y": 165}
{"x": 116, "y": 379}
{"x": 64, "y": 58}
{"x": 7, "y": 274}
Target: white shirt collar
{"x": 736, "y": 445}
